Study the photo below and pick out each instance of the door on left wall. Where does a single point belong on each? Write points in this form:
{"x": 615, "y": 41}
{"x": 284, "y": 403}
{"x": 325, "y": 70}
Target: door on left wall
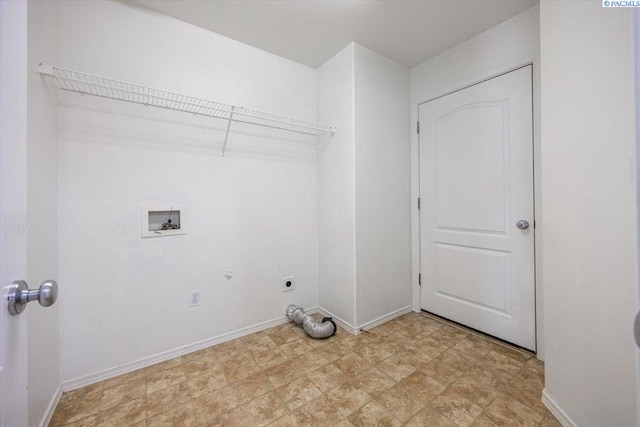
{"x": 29, "y": 341}
{"x": 13, "y": 209}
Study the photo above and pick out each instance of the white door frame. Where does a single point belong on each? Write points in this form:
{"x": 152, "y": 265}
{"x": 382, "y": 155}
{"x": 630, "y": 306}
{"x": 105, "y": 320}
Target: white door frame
{"x": 537, "y": 194}
{"x": 636, "y": 50}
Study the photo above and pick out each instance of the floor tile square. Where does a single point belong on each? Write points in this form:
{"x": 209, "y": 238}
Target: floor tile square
{"x": 208, "y": 407}
{"x": 128, "y": 413}
{"x": 207, "y": 382}
{"x": 373, "y": 381}
{"x": 264, "y": 410}
{"x": 252, "y": 387}
{"x": 298, "y": 392}
{"x": 159, "y": 379}
{"x": 347, "y": 398}
{"x": 180, "y": 415}
{"x": 395, "y": 368}
{"x": 431, "y": 418}
{"x": 318, "y": 412}
{"x": 456, "y": 408}
{"x": 400, "y": 402}
{"x": 352, "y": 364}
{"x": 375, "y": 415}
{"x": 327, "y": 377}
{"x": 506, "y": 411}
{"x": 166, "y": 398}
{"x": 122, "y": 393}
{"x": 474, "y": 390}
{"x": 284, "y": 373}
{"x": 422, "y": 386}
{"x": 240, "y": 368}
{"x": 441, "y": 371}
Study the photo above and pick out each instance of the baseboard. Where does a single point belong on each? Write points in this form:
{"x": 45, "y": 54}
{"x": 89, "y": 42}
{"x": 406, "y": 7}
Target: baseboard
{"x": 552, "y": 405}
{"x": 170, "y": 354}
{"x": 53, "y": 404}
{"x": 384, "y": 319}
{"x": 355, "y": 330}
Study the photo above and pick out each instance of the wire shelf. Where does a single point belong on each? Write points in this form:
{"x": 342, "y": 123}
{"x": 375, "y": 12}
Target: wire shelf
{"x": 104, "y": 87}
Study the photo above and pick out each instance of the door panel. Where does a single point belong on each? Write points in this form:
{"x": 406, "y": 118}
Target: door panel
{"x": 13, "y": 208}
{"x": 475, "y": 129}
{"x": 484, "y": 281}
{"x": 476, "y": 181}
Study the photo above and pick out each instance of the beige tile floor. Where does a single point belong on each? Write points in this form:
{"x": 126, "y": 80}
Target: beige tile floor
{"x": 415, "y": 370}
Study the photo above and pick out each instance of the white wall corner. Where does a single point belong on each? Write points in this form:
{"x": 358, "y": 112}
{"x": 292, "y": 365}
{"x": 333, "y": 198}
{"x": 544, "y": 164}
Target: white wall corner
{"x": 340, "y": 322}
{"x": 554, "y": 407}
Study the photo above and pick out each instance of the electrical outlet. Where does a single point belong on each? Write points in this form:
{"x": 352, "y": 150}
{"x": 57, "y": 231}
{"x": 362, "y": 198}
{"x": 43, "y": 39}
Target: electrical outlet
{"x": 194, "y": 298}
{"x": 288, "y": 283}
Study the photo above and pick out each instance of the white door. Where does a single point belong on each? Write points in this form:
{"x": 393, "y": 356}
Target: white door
{"x": 13, "y": 208}
{"x": 476, "y": 184}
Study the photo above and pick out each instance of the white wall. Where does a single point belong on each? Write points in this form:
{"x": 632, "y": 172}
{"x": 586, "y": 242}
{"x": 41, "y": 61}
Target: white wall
{"x": 382, "y": 176}
{"x": 124, "y": 298}
{"x": 503, "y": 46}
{"x": 42, "y": 216}
{"x": 590, "y": 254}
{"x": 499, "y": 49}
{"x": 363, "y": 187}
{"x": 336, "y": 187}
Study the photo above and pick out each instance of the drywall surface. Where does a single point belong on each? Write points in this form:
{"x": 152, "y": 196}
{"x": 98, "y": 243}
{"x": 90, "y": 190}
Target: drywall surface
{"x": 125, "y": 298}
{"x": 382, "y": 171}
{"x": 590, "y": 253}
{"x": 510, "y": 44}
{"x": 492, "y": 51}
{"x": 363, "y": 187}
{"x": 336, "y": 187}
{"x": 42, "y": 215}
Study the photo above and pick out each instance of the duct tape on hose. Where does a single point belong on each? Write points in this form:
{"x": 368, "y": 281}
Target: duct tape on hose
{"x": 325, "y": 329}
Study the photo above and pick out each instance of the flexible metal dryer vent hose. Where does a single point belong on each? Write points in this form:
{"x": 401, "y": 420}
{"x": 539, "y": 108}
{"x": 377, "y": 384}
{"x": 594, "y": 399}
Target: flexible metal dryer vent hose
{"x": 325, "y": 329}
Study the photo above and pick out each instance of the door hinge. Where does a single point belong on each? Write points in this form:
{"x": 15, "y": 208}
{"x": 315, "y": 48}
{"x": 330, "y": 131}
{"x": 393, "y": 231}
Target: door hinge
{"x": 417, "y": 127}
{"x": 419, "y": 278}
{"x": 418, "y": 202}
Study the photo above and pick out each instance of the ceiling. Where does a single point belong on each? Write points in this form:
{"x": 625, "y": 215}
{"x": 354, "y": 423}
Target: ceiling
{"x": 312, "y": 31}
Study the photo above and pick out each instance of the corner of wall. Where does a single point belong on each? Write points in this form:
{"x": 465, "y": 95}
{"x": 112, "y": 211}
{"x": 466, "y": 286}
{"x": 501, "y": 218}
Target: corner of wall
{"x": 381, "y": 171}
{"x": 336, "y": 187}
{"x": 554, "y": 407}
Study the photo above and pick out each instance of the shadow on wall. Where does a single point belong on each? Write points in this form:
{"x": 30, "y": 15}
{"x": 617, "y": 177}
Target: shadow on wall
{"x": 113, "y": 123}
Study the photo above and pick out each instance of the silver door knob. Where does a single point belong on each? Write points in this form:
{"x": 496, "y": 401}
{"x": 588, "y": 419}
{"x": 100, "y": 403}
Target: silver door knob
{"x": 523, "y": 224}
{"x": 636, "y": 329}
{"x": 20, "y": 294}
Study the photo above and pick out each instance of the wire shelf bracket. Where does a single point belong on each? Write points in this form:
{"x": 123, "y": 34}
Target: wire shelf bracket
{"x": 104, "y": 87}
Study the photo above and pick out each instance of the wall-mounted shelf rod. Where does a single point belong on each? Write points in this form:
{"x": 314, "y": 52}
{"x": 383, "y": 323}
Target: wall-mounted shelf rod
{"x": 84, "y": 83}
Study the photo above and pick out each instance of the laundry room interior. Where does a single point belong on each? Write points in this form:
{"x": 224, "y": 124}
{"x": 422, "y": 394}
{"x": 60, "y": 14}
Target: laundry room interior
{"x": 319, "y": 213}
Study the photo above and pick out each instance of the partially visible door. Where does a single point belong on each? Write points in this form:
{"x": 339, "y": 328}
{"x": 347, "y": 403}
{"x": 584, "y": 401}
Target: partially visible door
{"x": 13, "y": 209}
{"x": 476, "y": 218}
